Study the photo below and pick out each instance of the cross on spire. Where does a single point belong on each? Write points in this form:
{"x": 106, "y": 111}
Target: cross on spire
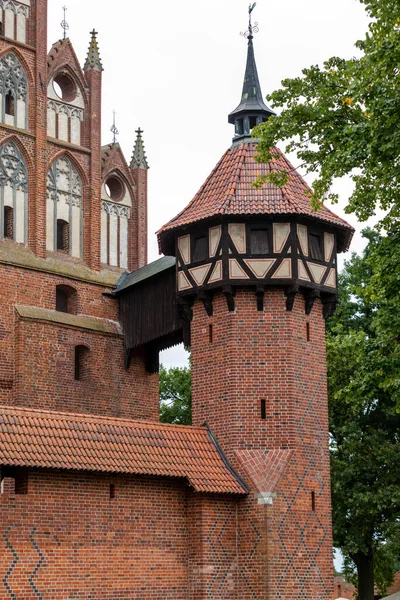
{"x": 64, "y": 23}
{"x": 249, "y": 34}
{"x": 114, "y": 129}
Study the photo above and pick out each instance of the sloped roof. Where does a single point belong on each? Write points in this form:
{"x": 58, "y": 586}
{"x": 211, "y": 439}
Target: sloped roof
{"x": 155, "y": 268}
{"x": 46, "y": 439}
{"x": 228, "y": 191}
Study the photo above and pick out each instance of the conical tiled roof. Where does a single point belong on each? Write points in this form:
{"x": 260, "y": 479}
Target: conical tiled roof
{"x": 228, "y": 192}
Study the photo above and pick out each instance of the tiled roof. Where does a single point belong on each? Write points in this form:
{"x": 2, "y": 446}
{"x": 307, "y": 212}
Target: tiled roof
{"x": 228, "y": 191}
{"x": 45, "y": 439}
{"x": 155, "y": 268}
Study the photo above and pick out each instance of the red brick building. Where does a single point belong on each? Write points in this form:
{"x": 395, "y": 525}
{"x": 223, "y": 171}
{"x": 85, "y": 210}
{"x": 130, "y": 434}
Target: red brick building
{"x": 98, "y": 499}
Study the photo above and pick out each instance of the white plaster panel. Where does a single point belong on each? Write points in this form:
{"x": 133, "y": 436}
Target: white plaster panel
{"x": 21, "y": 113}
{"x": 63, "y": 127}
{"x": 200, "y": 273}
{"x": 75, "y": 232}
{"x": 317, "y": 271}
{"x": 303, "y": 272}
{"x": 331, "y": 280}
{"x": 8, "y": 196}
{"x": 113, "y": 240}
{"x": 20, "y": 217}
{"x": 281, "y": 234}
{"x": 62, "y": 208}
{"x": 50, "y": 225}
{"x": 51, "y": 122}
{"x": 236, "y": 271}
{"x": 302, "y": 234}
{"x": 104, "y": 236}
{"x": 123, "y": 242}
{"x": 9, "y": 120}
{"x": 75, "y": 131}
{"x": 329, "y": 242}
{"x": 237, "y": 231}
{"x": 1, "y": 104}
{"x": 25, "y": 2}
{"x": 51, "y": 92}
{"x": 184, "y": 248}
{"x": 183, "y": 282}
{"x": 79, "y": 100}
{"x": 284, "y": 271}
{"x": 260, "y": 266}
{"x": 9, "y": 23}
{"x": 21, "y": 28}
{"x": 216, "y": 275}
{"x": 214, "y": 239}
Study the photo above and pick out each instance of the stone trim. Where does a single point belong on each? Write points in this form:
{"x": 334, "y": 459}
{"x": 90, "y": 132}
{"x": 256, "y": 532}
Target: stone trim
{"x": 105, "y": 326}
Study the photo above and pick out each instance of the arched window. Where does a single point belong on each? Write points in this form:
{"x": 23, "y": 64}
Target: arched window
{"x": 64, "y": 208}
{"x": 82, "y": 354}
{"x": 66, "y": 299}
{"x": 13, "y": 194}
{"x": 13, "y": 92}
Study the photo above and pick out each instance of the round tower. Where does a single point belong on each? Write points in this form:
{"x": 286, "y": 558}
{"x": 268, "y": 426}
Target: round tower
{"x": 256, "y": 279}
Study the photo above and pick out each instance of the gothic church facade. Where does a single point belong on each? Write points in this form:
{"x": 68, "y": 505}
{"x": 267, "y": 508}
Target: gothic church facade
{"x": 98, "y": 499}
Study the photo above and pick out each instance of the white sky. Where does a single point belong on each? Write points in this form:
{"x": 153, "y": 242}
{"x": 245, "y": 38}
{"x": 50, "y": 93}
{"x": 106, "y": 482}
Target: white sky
{"x": 176, "y": 69}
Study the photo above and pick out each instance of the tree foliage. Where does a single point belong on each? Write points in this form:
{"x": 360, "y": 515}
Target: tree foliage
{"x": 344, "y": 119}
{"x": 363, "y": 376}
{"x": 175, "y": 395}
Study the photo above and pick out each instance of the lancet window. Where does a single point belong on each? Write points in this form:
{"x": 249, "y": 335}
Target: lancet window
{"x": 13, "y": 92}
{"x": 13, "y": 17}
{"x": 64, "y": 208}
{"x": 13, "y": 194}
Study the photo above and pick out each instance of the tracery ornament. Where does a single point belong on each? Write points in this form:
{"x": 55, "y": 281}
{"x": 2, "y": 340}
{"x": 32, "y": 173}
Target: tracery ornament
{"x": 13, "y": 169}
{"x": 15, "y": 7}
{"x": 58, "y": 108}
{"x": 64, "y": 182}
{"x": 12, "y": 77}
{"x": 116, "y": 209}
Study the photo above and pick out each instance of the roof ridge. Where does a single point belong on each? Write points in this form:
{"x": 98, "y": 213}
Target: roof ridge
{"x": 101, "y": 418}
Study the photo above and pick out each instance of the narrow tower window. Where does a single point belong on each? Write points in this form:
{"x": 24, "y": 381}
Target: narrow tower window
{"x": 313, "y": 501}
{"x": 308, "y": 332}
{"x": 263, "y": 409}
{"x": 112, "y": 491}
{"x": 8, "y": 223}
{"x": 210, "y": 334}
{"x": 62, "y": 235}
{"x": 10, "y": 104}
{"x": 81, "y": 363}
{"x": 259, "y": 241}
{"x": 315, "y": 246}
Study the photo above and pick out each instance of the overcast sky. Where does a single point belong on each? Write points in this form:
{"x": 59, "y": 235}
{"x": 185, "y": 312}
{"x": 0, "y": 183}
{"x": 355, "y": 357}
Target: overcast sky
{"x": 176, "y": 70}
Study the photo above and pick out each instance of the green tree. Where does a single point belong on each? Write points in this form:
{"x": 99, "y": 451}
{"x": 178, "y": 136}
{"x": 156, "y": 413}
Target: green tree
{"x": 175, "y": 395}
{"x": 344, "y": 119}
{"x": 364, "y": 420}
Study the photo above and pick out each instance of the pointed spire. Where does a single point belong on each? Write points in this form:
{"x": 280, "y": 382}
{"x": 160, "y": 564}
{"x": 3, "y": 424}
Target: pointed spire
{"x": 139, "y": 159}
{"x": 93, "y": 61}
{"x": 252, "y": 109}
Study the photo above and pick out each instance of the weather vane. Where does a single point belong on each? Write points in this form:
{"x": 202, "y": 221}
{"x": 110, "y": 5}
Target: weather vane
{"x": 114, "y": 129}
{"x": 64, "y": 23}
{"x": 252, "y": 28}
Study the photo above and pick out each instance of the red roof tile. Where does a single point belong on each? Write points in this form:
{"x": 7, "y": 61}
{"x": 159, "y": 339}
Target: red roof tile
{"x": 228, "y": 191}
{"x": 45, "y": 439}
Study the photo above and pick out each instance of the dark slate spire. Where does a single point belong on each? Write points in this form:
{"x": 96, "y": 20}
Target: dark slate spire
{"x": 139, "y": 159}
{"x": 93, "y": 61}
{"x": 252, "y": 110}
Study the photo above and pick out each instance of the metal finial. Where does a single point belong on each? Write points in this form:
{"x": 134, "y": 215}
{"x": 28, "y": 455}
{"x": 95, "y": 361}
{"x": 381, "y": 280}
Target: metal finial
{"x": 64, "y": 23}
{"x": 114, "y": 129}
{"x": 249, "y": 34}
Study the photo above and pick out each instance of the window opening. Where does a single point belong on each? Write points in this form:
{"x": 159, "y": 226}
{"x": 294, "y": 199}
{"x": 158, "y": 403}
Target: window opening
{"x": 112, "y": 491}
{"x": 8, "y": 222}
{"x": 114, "y": 188}
{"x": 81, "y": 363}
{"x": 315, "y": 246}
{"x": 200, "y": 251}
{"x": 313, "y": 501}
{"x": 263, "y": 409}
{"x": 253, "y": 122}
{"x": 259, "y": 241}
{"x": 10, "y": 104}
{"x": 64, "y": 87}
{"x": 62, "y": 235}
{"x": 308, "y": 332}
{"x": 210, "y": 334}
{"x": 66, "y": 299}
